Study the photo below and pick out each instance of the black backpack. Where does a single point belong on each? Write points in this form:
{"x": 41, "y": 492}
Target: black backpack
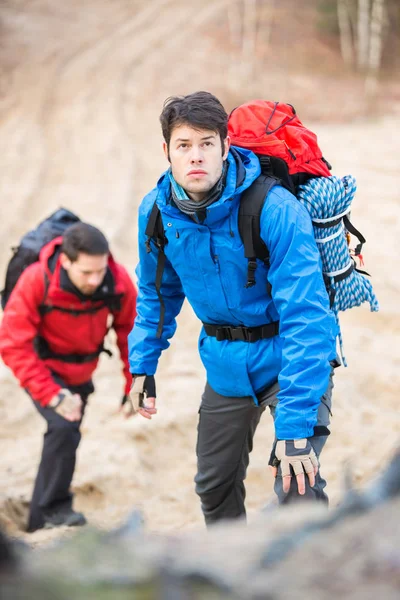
{"x": 28, "y": 250}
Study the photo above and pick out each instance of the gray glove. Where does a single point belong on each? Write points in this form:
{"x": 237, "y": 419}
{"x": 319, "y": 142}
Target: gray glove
{"x": 298, "y": 454}
{"x": 67, "y": 404}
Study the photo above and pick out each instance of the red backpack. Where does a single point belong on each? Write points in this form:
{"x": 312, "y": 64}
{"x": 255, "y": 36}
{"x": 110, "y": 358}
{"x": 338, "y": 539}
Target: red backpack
{"x": 289, "y": 155}
{"x": 273, "y": 129}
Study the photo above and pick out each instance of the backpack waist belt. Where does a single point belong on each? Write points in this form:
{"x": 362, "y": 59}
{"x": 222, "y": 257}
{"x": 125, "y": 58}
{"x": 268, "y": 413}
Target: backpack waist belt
{"x": 242, "y": 333}
{"x": 44, "y": 352}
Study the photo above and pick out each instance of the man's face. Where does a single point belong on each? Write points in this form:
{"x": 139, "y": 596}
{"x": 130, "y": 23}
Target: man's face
{"x": 86, "y": 272}
{"x": 196, "y": 158}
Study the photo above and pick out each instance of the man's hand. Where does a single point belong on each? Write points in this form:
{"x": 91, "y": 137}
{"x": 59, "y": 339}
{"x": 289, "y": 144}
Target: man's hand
{"x": 142, "y": 397}
{"x": 298, "y": 454}
{"x": 67, "y": 405}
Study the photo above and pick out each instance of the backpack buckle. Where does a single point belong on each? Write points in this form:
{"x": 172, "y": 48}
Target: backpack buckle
{"x": 238, "y": 334}
{"x": 251, "y": 269}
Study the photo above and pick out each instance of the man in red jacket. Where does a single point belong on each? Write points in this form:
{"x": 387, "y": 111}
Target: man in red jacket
{"x": 51, "y": 336}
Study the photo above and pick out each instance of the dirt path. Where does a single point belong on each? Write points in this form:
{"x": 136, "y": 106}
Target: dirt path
{"x": 79, "y": 128}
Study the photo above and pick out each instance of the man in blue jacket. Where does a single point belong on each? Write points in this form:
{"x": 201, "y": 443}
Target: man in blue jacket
{"x": 285, "y": 363}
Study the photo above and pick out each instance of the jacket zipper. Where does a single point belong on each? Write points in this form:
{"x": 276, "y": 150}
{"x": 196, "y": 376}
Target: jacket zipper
{"x": 216, "y": 262}
{"x": 215, "y": 259}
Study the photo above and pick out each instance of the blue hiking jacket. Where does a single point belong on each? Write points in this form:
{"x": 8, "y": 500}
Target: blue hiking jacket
{"x": 206, "y": 264}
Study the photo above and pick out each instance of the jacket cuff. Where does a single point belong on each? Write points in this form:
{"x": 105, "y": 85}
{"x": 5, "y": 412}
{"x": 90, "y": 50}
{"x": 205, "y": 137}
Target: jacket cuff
{"x": 46, "y": 398}
{"x": 128, "y": 383}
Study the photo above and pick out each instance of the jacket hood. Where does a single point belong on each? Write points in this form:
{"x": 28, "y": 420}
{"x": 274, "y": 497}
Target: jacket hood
{"x": 243, "y": 169}
{"x": 49, "y": 255}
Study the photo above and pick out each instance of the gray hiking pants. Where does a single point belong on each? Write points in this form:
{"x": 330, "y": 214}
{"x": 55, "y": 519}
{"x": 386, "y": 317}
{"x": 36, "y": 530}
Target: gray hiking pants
{"x": 225, "y": 439}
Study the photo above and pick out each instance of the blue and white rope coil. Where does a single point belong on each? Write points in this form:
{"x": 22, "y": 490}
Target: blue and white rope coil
{"x": 328, "y": 199}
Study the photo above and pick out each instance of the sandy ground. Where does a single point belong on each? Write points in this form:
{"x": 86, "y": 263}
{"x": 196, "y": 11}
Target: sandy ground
{"x": 79, "y": 128}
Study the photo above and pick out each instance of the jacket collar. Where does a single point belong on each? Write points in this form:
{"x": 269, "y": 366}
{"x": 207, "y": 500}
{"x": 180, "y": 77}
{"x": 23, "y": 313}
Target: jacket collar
{"x": 59, "y": 280}
{"x": 243, "y": 169}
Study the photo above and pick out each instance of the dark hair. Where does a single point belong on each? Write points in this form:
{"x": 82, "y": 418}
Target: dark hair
{"x": 200, "y": 110}
{"x": 85, "y": 238}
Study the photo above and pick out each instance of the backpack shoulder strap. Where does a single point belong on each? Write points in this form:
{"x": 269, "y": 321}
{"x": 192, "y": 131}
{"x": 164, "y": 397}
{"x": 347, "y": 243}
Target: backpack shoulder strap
{"x": 155, "y": 232}
{"x": 45, "y": 288}
{"x": 251, "y": 204}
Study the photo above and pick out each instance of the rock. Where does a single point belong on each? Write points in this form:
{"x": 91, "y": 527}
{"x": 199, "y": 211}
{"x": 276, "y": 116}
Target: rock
{"x": 295, "y": 552}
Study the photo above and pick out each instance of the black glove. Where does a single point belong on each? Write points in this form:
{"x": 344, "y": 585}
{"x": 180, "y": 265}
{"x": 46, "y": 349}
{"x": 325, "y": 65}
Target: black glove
{"x": 142, "y": 386}
{"x": 149, "y": 386}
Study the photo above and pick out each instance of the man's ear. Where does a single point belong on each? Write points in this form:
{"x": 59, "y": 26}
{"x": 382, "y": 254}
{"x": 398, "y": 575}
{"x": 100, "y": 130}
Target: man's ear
{"x": 166, "y": 151}
{"x": 227, "y": 145}
{"x": 65, "y": 261}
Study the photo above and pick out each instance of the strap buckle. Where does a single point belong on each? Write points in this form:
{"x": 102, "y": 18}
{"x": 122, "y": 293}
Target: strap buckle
{"x": 233, "y": 334}
{"x": 221, "y": 334}
{"x": 239, "y": 333}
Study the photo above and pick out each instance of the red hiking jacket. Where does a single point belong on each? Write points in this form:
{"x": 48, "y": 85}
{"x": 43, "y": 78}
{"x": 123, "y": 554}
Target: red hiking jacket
{"x": 66, "y": 324}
